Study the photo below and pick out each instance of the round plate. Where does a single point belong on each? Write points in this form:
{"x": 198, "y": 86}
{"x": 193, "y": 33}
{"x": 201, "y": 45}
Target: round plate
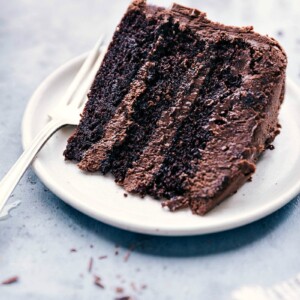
{"x": 275, "y": 182}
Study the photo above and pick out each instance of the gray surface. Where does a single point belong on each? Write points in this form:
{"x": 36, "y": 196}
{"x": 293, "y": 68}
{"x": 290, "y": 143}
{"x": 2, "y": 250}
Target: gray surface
{"x": 35, "y": 38}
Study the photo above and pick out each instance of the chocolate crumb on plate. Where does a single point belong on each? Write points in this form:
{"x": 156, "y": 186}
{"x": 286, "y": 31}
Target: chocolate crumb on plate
{"x": 73, "y": 250}
{"x": 125, "y": 195}
{"x": 124, "y": 298}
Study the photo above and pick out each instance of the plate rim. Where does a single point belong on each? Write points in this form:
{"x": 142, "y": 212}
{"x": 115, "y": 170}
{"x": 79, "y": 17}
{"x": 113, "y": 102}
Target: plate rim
{"x": 152, "y": 230}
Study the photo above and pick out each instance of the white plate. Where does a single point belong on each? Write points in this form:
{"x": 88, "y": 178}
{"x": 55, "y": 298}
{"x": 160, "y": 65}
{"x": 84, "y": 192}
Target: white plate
{"x": 274, "y": 184}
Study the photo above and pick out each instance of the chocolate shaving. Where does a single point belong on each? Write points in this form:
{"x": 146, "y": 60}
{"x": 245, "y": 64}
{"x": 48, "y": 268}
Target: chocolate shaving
{"x": 127, "y": 255}
{"x": 133, "y": 286}
{"x": 97, "y": 281}
{"x": 11, "y": 280}
{"x": 119, "y": 290}
{"x": 90, "y": 267}
{"x": 102, "y": 257}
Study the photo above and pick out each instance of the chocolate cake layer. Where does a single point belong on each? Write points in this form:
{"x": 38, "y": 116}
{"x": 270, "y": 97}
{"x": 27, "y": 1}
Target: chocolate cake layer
{"x": 198, "y": 110}
{"x": 127, "y": 53}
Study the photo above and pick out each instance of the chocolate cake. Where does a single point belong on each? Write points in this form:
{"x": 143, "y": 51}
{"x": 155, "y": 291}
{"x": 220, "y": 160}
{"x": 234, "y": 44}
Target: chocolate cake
{"x": 182, "y": 107}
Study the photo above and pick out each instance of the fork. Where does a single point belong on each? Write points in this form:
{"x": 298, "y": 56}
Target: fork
{"x": 67, "y": 112}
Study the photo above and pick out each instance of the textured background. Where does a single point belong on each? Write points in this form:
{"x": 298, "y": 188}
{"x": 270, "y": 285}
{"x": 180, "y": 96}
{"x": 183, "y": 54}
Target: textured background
{"x": 35, "y": 38}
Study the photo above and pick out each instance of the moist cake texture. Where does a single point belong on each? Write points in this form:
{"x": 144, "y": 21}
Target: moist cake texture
{"x": 182, "y": 107}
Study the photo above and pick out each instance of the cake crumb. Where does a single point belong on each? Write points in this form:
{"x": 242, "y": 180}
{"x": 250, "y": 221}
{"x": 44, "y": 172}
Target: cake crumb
{"x": 124, "y": 298}
{"x": 125, "y": 195}
{"x": 73, "y": 250}
{"x": 10, "y": 280}
{"x": 271, "y": 147}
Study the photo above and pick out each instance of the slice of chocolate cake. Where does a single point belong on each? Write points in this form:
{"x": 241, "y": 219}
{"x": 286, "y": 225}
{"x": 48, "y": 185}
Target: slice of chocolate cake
{"x": 181, "y": 107}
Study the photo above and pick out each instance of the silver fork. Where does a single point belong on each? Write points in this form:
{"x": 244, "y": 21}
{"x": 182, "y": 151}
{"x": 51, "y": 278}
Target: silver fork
{"x": 66, "y": 113}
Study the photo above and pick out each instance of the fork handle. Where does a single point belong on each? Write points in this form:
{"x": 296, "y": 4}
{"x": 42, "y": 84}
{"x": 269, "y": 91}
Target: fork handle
{"x": 11, "y": 179}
